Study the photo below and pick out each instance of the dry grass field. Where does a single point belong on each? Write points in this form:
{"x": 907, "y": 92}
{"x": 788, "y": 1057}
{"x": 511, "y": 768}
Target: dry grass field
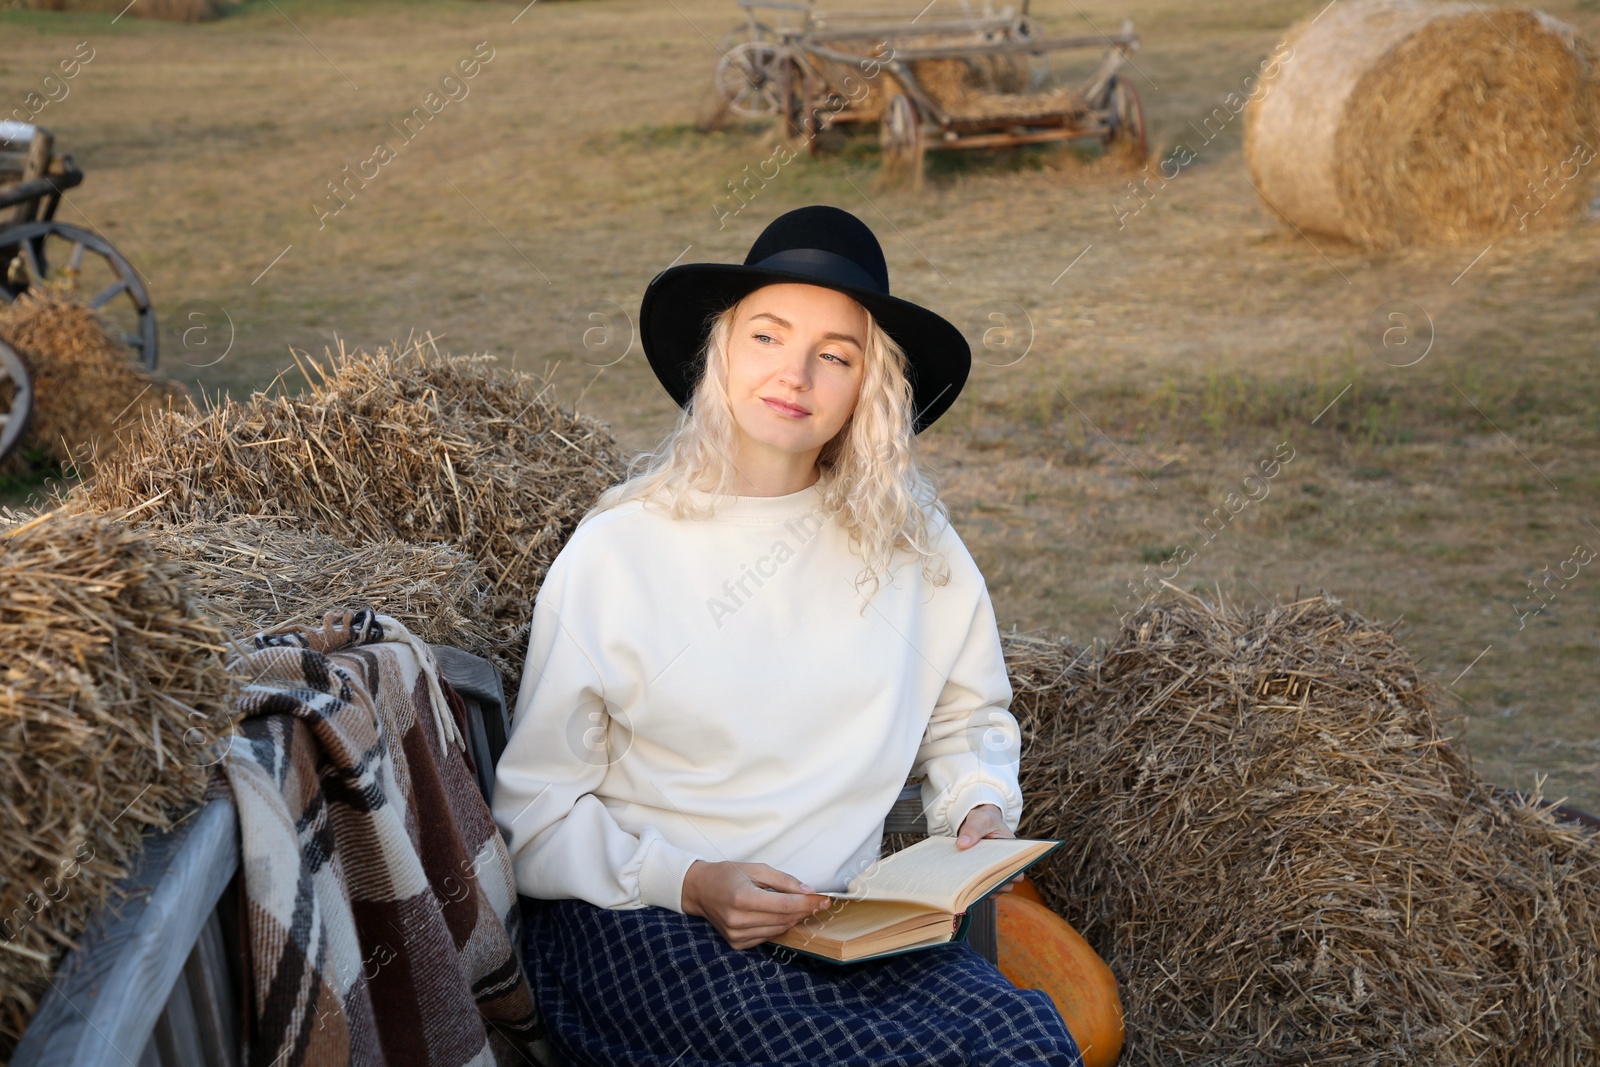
{"x": 1156, "y": 358}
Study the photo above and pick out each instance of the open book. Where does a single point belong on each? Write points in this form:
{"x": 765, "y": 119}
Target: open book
{"x": 914, "y": 899}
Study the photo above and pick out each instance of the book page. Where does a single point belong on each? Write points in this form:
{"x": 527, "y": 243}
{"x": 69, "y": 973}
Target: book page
{"x": 935, "y": 873}
{"x": 858, "y": 919}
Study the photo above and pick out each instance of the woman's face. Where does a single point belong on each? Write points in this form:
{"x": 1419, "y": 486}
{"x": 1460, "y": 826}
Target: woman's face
{"x": 795, "y": 366}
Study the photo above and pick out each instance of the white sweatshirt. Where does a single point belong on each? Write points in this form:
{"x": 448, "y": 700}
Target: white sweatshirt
{"x": 713, "y": 689}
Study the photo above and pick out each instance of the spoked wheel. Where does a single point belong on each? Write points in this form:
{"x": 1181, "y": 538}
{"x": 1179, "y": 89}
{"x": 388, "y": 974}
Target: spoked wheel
{"x": 51, "y": 252}
{"x": 900, "y": 137}
{"x": 1127, "y": 120}
{"x": 16, "y": 399}
{"x": 746, "y": 79}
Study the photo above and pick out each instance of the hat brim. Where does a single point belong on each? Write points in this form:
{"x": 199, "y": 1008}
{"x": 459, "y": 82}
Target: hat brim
{"x": 681, "y": 301}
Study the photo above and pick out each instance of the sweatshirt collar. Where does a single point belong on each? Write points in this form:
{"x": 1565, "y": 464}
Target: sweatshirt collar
{"x": 763, "y": 508}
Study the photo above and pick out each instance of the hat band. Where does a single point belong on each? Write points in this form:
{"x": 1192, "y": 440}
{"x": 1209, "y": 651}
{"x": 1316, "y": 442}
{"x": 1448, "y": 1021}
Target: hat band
{"x": 824, "y": 265}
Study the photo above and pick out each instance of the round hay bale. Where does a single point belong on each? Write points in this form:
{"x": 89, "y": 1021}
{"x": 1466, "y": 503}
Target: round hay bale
{"x": 423, "y": 448}
{"x": 115, "y": 689}
{"x": 1274, "y": 846}
{"x": 1393, "y": 122}
{"x": 86, "y": 385}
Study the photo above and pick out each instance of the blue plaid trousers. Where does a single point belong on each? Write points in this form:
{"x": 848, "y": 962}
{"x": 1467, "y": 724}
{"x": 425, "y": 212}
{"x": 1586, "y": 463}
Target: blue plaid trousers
{"x": 650, "y": 987}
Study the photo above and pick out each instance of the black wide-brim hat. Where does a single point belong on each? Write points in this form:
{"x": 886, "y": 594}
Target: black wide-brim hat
{"x": 816, "y": 245}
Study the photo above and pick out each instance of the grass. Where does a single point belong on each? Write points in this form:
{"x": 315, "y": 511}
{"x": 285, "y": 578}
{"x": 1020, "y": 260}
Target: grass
{"x": 166, "y": 10}
{"x": 1167, "y": 355}
{"x": 29, "y": 472}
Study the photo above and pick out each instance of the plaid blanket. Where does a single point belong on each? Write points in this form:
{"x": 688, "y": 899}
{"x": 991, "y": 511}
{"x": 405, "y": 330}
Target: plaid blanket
{"x": 380, "y": 921}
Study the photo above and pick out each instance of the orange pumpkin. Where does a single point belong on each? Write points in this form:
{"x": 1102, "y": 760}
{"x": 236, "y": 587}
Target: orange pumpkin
{"x": 1026, "y": 890}
{"x": 1041, "y": 950}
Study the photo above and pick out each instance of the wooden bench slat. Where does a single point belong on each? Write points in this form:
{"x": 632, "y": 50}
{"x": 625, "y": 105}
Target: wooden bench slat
{"x": 212, "y": 990}
{"x": 177, "y": 1031}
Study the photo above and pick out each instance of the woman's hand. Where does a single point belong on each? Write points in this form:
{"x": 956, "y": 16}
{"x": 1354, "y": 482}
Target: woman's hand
{"x": 985, "y": 820}
{"x": 747, "y": 902}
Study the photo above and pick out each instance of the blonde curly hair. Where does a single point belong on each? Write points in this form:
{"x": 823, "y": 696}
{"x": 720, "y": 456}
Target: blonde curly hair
{"x": 870, "y": 477}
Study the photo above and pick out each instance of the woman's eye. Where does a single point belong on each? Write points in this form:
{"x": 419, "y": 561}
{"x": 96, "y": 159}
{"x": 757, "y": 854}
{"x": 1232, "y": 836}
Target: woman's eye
{"x": 763, "y": 336}
{"x": 835, "y": 356}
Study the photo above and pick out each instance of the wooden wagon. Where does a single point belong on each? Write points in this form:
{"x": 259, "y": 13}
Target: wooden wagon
{"x": 752, "y": 54}
{"x": 825, "y": 84}
{"x": 37, "y": 251}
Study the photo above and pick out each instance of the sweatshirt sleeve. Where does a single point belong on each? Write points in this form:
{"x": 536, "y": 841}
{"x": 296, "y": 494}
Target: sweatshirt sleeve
{"x": 970, "y": 753}
{"x": 562, "y": 840}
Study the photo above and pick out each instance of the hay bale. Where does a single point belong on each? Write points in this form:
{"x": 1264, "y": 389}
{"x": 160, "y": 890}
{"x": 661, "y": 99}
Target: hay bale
{"x": 979, "y": 103}
{"x": 86, "y": 385}
{"x": 1281, "y": 856}
{"x": 947, "y": 81}
{"x": 114, "y": 686}
{"x": 422, "y": 447}
{"x": 1395, "y": 122}
{"x": 980, "y": 86}
{"x": 257, "y": 574}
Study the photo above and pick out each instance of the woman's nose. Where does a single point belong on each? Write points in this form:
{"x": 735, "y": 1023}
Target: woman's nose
{"x": 796, "y": 372}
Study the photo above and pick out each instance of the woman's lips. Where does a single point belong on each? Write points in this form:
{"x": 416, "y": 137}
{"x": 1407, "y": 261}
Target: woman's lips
{"x": 784, "y": 409}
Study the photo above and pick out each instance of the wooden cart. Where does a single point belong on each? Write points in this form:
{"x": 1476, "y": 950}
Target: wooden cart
{"x": 821, "y": 85}
{"x": 37, "y": 250}
{"x": 16, "y": 398}
{"x": 752, "y": 54}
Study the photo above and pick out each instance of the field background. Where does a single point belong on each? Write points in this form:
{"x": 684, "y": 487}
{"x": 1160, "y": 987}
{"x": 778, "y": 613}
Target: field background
{"x": 1185, "y": 344}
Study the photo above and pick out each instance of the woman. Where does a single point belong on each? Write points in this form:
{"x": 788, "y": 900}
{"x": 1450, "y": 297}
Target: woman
{"x": 736, "y": 661}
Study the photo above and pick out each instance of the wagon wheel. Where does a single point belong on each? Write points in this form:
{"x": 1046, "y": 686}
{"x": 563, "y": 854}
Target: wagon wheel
{"x": 16, "y": 396}
{"x": 745, "y": 79}
{"x": 900, "y": 137}
{"x": 55, "y": 253}
{"x": 1127, "y": 120}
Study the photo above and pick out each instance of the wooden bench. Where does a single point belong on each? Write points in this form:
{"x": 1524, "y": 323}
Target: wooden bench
{"x": 156, "y": 982}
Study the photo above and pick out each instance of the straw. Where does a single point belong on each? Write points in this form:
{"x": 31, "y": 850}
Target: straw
{"x": 1396, "y": 123}
{"x": 417, "y": 447}
{"x": 257, "y": 574}
{"x": 86, "y": 385}
{"x": 115, "y": 696}
{"x": 1274, "y": 845}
